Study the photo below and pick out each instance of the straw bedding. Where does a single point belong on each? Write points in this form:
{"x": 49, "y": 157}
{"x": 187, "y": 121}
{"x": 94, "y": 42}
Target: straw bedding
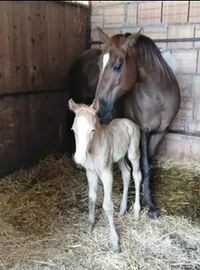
{"x": 43, "y": 214}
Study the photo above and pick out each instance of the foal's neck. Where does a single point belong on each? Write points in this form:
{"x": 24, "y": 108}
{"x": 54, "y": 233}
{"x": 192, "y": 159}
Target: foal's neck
{"x": 97, "y": 125}
{"x": 97, "y": 135}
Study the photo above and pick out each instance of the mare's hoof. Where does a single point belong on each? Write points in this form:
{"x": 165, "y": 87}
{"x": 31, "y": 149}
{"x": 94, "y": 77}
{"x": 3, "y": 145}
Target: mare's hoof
{"x": 153, "y": 213}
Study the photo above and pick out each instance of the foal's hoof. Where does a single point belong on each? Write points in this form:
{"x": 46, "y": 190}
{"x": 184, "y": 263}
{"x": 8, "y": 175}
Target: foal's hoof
{"x": 89, "y": 228}
{"x": 136, "y": 216}
{"x": 116, "y": 249}
{"x": 121, "y": 214}
{"x": 153, "y": 213}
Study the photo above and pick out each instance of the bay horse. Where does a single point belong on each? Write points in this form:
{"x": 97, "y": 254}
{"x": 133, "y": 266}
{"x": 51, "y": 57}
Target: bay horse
{"x": 136, "y": 80}
{"x": 153, "y": 83}
{"x": 97, "y": 148}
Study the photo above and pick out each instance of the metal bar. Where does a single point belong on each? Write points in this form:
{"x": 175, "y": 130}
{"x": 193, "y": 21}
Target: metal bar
{"x": 158, "y": 40}
{"x": 33, "y": 92}
{"x": 183, "y": 132}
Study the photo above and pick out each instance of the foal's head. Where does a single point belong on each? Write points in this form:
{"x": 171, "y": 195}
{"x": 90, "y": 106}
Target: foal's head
{"x": 84, "y": 126}
{"x": 118, "y": 69}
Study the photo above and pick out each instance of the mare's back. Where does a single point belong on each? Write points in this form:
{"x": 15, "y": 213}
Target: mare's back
{"x": 83, "y": 77}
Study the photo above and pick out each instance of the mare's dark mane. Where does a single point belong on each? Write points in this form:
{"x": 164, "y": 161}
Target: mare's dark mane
{"x": 153, "y": 57}
{"x": 149, "y": 52}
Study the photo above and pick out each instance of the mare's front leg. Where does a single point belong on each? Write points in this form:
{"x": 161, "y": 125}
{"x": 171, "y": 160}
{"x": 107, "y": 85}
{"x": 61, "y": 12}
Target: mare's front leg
{"x": 152, "y": 212}
{"x": 107, "y": 180}
{"x": 93, "y": 183}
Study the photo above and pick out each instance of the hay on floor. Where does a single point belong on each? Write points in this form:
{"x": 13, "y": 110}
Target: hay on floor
{"x": 43, "y": 213}
{"x": 176, "y": 187}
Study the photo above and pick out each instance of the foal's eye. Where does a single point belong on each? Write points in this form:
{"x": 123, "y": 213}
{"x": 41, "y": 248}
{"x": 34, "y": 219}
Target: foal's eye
{"x": 117, "y": 68}
{"x": 93, "y": 130}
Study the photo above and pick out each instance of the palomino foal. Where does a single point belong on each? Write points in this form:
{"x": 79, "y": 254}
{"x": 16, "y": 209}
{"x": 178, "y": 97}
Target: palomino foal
{"x": 97, "y": 148}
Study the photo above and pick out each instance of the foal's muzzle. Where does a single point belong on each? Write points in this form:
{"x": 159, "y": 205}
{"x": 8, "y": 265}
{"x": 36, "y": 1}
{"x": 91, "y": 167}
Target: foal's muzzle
{"x": 79, "y": 159}
{"x": 78, "y": 166}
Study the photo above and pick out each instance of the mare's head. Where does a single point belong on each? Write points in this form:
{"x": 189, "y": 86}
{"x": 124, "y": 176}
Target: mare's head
{"x": 84, "y": 126}
{"x": 118, "y": 69}
{"x": 126, "y": 59}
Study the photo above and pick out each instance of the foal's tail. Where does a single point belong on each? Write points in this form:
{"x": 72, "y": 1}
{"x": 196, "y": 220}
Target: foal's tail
{"x": 128, "y": 163}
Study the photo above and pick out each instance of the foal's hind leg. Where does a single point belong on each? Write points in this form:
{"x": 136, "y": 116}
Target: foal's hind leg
{"x": 93, "y": 182}
{"x": 134, "y": 157}
{"x": 126, "y": 175}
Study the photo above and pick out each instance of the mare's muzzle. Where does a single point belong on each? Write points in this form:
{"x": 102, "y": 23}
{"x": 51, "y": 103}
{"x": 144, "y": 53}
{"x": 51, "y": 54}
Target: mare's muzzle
{"x": 105, "y": 111}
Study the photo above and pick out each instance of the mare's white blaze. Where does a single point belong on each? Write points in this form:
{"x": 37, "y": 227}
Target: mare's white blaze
{"x": 82, "y": 139}
{"x": 106, "y": 58}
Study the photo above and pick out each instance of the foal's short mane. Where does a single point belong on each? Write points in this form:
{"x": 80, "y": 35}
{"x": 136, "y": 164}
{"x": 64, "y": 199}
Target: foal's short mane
{"x": 82, "y": 106}
{"x": 149, "y": 52}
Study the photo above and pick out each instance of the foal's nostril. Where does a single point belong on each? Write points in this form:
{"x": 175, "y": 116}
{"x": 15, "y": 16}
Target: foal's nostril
{"x": 79, "y": 159}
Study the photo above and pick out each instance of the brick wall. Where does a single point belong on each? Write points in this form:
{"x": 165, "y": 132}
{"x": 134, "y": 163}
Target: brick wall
{"x": 175, "y": 19}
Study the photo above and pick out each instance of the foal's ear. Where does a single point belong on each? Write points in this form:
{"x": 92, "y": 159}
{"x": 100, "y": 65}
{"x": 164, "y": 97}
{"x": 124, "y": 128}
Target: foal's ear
{"x": 95, "y": 105}
{"x": 103, "y": 36}
{"x": 131, "y": 40}
{"x": 72, "y": 105}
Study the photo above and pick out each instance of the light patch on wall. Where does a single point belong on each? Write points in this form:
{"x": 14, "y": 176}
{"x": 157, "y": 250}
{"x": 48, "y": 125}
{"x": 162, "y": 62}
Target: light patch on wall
{"x": 81, "y": 2}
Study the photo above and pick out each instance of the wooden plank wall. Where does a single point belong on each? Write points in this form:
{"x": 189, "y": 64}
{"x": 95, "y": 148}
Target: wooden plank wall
{"x": 38, "y": 43}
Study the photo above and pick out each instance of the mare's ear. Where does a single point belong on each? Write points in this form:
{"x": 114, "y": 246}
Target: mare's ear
{"x": 72, "y": 105}
{"x": 103, "y": 36}
{"x": 95, "y": 105}
{"x": 131, "y": 40}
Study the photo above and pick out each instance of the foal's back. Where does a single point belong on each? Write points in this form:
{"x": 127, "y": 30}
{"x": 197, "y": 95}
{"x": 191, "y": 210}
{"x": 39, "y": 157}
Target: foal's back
{"x": 121, "y": 134}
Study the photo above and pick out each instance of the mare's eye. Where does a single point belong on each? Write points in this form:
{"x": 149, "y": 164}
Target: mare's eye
{"x": 93, "y": 130}
{"x": 117, "y": 68}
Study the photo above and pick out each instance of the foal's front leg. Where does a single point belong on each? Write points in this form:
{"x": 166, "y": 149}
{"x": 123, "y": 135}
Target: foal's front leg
{"x": 107, "y": 180}
{"x": 93, "y": 183}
